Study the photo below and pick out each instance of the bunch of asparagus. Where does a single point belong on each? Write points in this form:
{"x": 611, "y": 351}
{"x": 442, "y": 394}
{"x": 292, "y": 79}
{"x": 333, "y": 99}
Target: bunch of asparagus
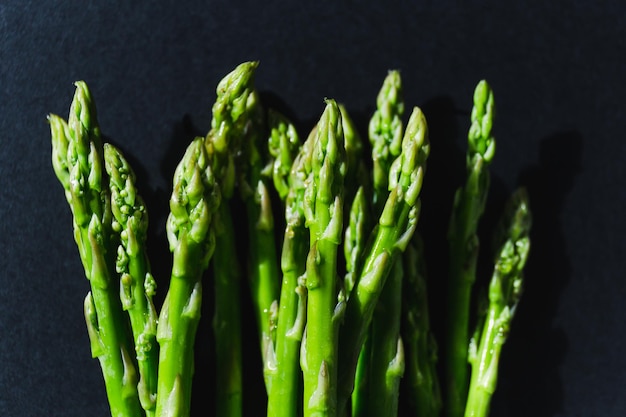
{"x": 333, "y": 262}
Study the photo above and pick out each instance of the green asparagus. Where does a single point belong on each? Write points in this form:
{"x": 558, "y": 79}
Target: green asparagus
{"x": 469, "y": 204}
{"x": 342, "y": 313}
{"x": 323, "y": 209}
{"x": 395, "y": 228}
{"x": 78, "y": 162}
{"x": 285, "y": 399}
{"x": 195, "y": 199}
{"x": 423, "y": 389}
{"x": 504, "y": 294}
{"x": 137, "y": 284}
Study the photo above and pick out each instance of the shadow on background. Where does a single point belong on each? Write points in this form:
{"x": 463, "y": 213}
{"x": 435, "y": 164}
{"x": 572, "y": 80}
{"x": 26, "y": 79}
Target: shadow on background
{"x": 531, "y": 383}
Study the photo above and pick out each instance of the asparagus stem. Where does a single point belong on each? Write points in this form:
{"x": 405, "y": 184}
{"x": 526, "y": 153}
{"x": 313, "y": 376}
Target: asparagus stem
{"x": 504, "y": 293}
{"x": 194, "y": 200}
{"x": 227, "y": 318}
{"x": 285, "y": 395}
{"x": 137, "y": 284}
{"x": 232, "y": 150}
{"x": 78, "y": 162}
{"x": 468, "y": 207}
{"x": 423, "y": 390}
{"x": 323, "y": 206}
{"x": 385, "y": 134}
{"x": 395, "y": 228}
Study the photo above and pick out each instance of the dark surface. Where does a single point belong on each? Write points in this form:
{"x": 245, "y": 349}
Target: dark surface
{"x": 558, "y": 74}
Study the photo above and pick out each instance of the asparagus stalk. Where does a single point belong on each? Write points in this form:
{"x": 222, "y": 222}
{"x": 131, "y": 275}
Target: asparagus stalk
{"x": 323, "y": 207}
{"x": 504, "y": 293}
{"x": 381, "y": 393}
{"x": 78, "y": 161}
{"x": 385, "y": 134}
{"x": 283, "y": 146}
{"x": 285, "y": 395}
{"x": 395, "y": 227}
{"x": 137, "y": 284}
{"x": 234, "y": 113}
{"x": 422, "y": 384}
{"x": 194, "y": 200}
{"x": 469, "y": 204}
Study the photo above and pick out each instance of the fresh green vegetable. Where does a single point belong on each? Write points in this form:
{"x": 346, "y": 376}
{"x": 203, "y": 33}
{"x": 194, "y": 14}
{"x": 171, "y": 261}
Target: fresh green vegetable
{"x": 504, "y": 293}
{"x": 469, "y": 204}
{"x": 340, "y": 307}
{"x": 194, "y": 201}
{"x": 78, "y": 162}
{"x": 422, "y": 382}
{"x": 395, "y": 228}
{"x": 285, "y": 396}
{"x": 137, "y": 283}
{"x": 323, "y": 211}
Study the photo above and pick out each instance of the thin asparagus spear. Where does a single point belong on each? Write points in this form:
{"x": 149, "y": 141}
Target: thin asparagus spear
{"x": 194, "y": 200}
{"x": 395, "y": 228}
{"x": 469, "y": 204}
{"x": 137, "y": 284}
{"x": 385, "y": 134}
{"x": 323, "y": 207}
{"x": 424, "y": 396}
{"x": 504, "y": 293}
{"x": 285, "y": 394}
{"x": 78, "y": 161}
{"x": 232, "y": 117}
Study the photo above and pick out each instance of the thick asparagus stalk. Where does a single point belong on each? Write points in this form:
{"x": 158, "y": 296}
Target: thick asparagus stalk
{"x": 323, "y": 207}
{"x": 78, "y": 163}
{"x": 137, "y": 286}
{"x": 194, "y": 200}
{"x": 395, "y": 228}
{"x": 504, "y": 293}
{"x": 469, "y": 204}
{"x": 422, "y": 384}
{"x": 285, "y": 394}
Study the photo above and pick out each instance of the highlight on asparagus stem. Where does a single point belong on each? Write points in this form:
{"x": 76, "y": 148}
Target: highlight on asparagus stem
{"x": 469, "y": 204}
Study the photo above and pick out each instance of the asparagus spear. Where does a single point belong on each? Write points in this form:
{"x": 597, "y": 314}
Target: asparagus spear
{"x": 395, "y": 228}
{"x": 385, "y": 134}
{"x": 323, "y": 208}
{"x": 283, "y": 145}
{"x": 285, "y": 398}
{"x": 381, "y": 388}
{"x": 422, "y": 384}
{"x": 137, "y": 284}
{"x": 194, "y": 200}
{"x": 78, "y": 161}
{"x": 469, "y": 204}
{"x": 237, "y": 126}
{"x": 504, "y": 293}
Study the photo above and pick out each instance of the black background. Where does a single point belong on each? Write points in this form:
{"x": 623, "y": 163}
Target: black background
{"x": 557, "y": 69}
